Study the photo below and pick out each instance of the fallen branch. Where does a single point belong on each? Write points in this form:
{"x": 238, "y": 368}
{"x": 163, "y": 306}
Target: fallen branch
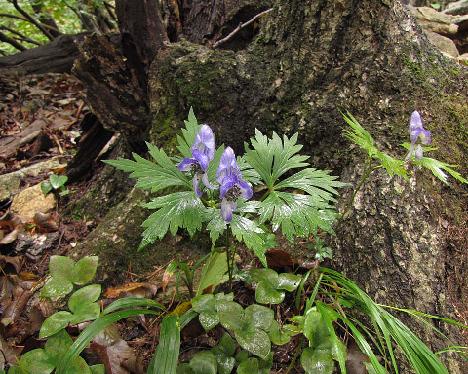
{"x": 240, "y": 27}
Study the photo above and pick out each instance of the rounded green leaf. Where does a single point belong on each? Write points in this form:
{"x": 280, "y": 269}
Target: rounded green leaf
{"x": 184, "y": 369}
{"x": 227, "y": 344}
{"x": 85, "y": 270}
{"x": 317, "y": 361}
{"x": 259, "y": 316}
{"x": 248, "y": 366}
{"x": 231, "y": 315}
{"x": 85, "y": 312}
{"x": 46, "y": 187}
{"x": 225, "y": 363}
{"x": 277, "y": 335}
{"x": 288, "y": 281}
{"x": 57, "y": 181}
{"x": 79, "y": 366}
{"x": 203, "y": 363}
{"x": 265, "y": 293}
{"x": 57, "y": 345}
{"x": 85, "y": 295}
{"x": 35, "y": 362}
{"x": 61, "y": 267}
{"x": 255, "y": 341}
{"x": 54, "y": 324}
{"x": 56, "y": 288}
{"x": 204, "y": 303}
{"x": 265, "y": 275}
{"x": 208, "y": 320}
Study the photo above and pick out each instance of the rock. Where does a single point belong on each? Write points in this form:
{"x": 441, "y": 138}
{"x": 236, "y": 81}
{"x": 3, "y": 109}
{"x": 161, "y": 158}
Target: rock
{"x": 445, "y": 44}
{"x": 10, "y": 183}
{"x": 432, "y": 20}
{"x": 33, "y": 246}
{"x": 457, "y": 8}
{"x": 463, "y": 59}
{"x": 31, "y": 201}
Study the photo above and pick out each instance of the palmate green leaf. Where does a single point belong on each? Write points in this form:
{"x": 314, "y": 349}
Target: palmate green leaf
{"x": 438, "y": 167}
{"x": 192, "y": 127}
{"x": 248, "y": 172}
{"x": 153, "y": 176}
{"x": 361, "y": 137}
{"x": 271, "y": 158}
{"x": 296, "y": 214}
{"x": 176, "y": 210}
{"x": 248, "y": 232}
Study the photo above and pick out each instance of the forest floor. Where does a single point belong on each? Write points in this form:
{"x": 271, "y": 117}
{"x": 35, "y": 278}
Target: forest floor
{"x": 40, "y": 128}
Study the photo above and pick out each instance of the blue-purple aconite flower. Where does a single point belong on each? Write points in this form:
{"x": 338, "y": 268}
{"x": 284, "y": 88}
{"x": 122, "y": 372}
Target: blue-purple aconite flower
{"x": 418, "y": 132}
{"x": 232, "y": 185}
{"x": 203, "y": 150}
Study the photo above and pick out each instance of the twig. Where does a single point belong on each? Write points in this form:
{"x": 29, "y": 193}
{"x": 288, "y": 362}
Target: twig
{"x": 21, "y": 36}
{"x": 30, "y": 19}
{"x": 240, "y": 27}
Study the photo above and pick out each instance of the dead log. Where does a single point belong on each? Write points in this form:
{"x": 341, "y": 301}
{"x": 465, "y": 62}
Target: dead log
{"x": 57, "y": 56}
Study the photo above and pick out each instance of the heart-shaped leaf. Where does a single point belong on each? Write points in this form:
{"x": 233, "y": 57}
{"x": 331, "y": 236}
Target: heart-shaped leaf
{"x": 83, "y": 296}
{"x": 54, "y": 324}
{"x": 56, "y": 288}
{"x": 224, "y": 353}
{"x": 317, "y": 361}
{"x": 46, "y": 187}
{"x": 57, "y": 345}
{"x": 231, "y": 315}
{"x": 205, "y": 305}
{"x": 204, "y": 363}
{"x": 277, "y": 335}
{"x": 266, "y": 293}
{"x": 254, "y": 340}
{"x": 35, "y": 362}
{"x": 85, "y": 270}
{"x": 288, "y": 281}
{"x": 58, "y": 181}
{"x": 259, "y": 316}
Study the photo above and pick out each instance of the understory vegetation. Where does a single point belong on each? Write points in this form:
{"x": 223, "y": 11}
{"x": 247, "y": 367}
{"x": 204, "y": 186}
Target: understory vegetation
{"x": 249, "y": 202}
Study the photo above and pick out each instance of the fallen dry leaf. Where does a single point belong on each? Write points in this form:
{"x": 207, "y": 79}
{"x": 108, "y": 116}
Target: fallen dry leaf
{"x": 138, "y": 289}
{"x": 114, "y": 352}
{"x": 10, "y": 238}
{"x": 14, "y": 261}
{"x": 46, "y": 222}
{"x": 277, "y": 258}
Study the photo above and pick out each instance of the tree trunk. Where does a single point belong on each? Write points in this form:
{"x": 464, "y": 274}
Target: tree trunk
{"x": 310, "y": 59}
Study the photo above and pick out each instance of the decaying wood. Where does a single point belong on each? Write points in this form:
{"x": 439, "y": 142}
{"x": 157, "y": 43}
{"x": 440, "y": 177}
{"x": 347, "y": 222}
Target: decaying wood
{"x": 57, "y": 56}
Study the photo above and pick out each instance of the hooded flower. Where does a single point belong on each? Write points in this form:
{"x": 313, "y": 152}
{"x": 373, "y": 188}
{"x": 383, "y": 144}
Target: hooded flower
{"x": 417, "y": 132}
{"x": 232, "y": 185}
{"x": 203, "y": 150}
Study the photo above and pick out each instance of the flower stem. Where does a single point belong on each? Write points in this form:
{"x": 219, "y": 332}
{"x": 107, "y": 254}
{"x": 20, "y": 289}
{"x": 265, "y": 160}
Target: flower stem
{"x": 228, "y": 258}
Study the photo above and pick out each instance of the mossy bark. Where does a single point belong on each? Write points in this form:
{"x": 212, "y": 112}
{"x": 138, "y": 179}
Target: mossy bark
{"x": 310, "y": 60}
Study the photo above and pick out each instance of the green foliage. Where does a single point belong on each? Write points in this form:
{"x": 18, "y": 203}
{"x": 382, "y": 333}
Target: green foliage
{"x": 167, "y": 352}
{"x": 360, "y": 136}
{"x": 437, "y": 167}
{"x": 65, "y": 272}
{"x": 56, "y": 183}
{"x": 44, "y": 361}
{"x": 298, "y": 204}
{"x": 83, "y": 307}
{"x": 251, "y": 326}
{"x": 388, "y": 329}
{"x": 270, "y": 286}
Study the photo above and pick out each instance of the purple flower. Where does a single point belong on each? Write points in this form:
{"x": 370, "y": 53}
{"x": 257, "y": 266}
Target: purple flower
{"x": 203, "y": 150}
{"x": 417, "y": 132}
{"x": 232, "y": 185}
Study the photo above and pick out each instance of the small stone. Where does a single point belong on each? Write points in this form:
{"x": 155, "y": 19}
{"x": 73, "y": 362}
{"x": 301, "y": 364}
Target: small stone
{"x": 445, "y": 44}
{"x": 9, "y": 185}
{"x": 31, "y": 201}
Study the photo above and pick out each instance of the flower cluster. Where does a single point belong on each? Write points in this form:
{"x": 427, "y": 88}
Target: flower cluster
{"x": 417, "y": 132}
{"x": 231, "y": 184}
